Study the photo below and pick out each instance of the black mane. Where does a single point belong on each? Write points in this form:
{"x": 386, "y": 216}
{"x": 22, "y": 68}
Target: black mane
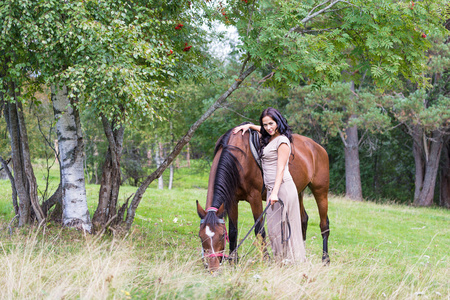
{"x": 227, "y": 174}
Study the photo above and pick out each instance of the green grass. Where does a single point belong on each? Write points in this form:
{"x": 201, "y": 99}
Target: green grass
{"x": 377, "y": 252}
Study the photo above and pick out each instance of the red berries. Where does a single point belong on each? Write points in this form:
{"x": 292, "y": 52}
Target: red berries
{"x": 179, "y": 26}
{"x": 424, "y": 35}
{"x": 187, "y": 48}
{"x": 170, "y": 53}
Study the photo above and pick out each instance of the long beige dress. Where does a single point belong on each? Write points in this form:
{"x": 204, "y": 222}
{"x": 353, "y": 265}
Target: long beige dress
{"x": 292, "y": 250}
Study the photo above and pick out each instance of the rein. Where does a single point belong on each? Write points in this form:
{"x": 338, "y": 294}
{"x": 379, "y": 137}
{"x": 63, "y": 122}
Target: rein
{"x": 251, "y": 229}
{"x": 254, "y": 225}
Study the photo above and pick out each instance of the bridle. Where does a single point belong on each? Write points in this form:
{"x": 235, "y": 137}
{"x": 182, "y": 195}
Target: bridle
{"x": 222, "y": 221}
{"x": 226, "y": 239}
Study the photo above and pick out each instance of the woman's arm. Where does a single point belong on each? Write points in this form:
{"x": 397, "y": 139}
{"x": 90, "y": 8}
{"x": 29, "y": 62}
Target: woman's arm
{"x": 245, "y": 127}
{"x": 283, "y": 156}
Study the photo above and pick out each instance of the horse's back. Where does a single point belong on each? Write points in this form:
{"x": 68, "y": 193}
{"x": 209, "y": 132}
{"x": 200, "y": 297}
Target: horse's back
{"x": 308, "y": 163}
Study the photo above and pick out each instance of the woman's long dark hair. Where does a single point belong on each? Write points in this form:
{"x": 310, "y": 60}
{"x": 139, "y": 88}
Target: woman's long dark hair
{"x": 282, "y": 127}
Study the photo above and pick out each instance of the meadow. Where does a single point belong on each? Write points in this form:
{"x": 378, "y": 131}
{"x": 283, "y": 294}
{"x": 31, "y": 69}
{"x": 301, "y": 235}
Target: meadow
{"x": 377, "y": 251}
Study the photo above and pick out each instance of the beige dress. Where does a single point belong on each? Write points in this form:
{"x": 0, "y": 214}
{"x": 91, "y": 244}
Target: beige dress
{"x": 294, "y": 248}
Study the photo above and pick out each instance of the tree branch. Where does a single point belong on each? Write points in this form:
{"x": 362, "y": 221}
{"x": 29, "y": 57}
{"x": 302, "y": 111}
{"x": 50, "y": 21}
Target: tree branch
{"x": 179, "y": 146}
{"x": 56, "y": 197}
{"x": 341, "y": 134}
{"x": 244, "y": 64}
{"x": 311, "y": 16}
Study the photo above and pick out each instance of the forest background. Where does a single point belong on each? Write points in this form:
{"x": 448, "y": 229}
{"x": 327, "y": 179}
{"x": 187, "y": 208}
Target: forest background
{"x": 123, "y": 86}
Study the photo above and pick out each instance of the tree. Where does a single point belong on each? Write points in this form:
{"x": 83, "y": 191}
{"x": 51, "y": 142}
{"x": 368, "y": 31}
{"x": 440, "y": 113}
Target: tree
{"x": 338, "y": 110}
{"x": 425, "y": 119}
{"x": 14, "y": 73}
{"x": 424, "y": 115}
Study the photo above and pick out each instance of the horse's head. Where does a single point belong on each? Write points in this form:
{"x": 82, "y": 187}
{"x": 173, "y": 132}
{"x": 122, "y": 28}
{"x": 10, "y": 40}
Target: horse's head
{"x": 213, "y": 236}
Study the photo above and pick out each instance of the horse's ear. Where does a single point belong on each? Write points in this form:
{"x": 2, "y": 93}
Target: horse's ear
{"x": 220, "y": 212}
{"x": 200, "y": 211}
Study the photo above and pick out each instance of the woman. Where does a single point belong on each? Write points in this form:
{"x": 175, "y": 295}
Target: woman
{"x": 276, "y": 138}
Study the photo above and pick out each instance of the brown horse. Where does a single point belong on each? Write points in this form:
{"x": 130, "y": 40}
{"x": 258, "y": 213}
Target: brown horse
{"x": 235, "y": 176}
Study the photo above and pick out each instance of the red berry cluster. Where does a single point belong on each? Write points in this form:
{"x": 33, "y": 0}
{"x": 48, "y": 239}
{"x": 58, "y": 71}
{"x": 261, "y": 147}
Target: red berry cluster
{"x": 222, "y": 9}
{"x": 245, "y": 1}
{"x": 412, "y": 4}
{"x": 424, "y": 35}
{"x": 179, "y": 26}
{"x": 170, "y": 53}
{"x": 186, "y": 47}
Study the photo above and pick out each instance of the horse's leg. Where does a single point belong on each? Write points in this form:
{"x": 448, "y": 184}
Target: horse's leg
{"x": 321, "y": 195}
{"x": 256, "y": 204}
{"x": 303, "y": 215}
{"x": 232, "y": 228}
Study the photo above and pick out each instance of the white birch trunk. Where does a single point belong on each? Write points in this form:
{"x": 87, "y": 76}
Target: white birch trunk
{"x": 70, "y": 141}
{"x": 158, "y": 163}
{"x": 171, "y": 177}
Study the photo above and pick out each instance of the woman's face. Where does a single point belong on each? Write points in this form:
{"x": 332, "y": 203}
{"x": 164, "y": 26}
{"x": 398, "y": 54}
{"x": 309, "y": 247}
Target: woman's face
{"x": 269, "y": 125}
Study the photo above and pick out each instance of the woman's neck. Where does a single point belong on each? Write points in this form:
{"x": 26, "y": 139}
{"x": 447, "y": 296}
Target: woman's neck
{"x": 277, "y": 134}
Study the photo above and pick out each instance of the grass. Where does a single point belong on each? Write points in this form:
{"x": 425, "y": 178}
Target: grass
{"x": 377, "y": 251}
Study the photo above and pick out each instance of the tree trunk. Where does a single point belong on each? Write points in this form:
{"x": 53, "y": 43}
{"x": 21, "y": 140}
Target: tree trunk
{"x": 131, "y": 211}
{"x": 171, "y": 165}
{"x": 433, "y": 149}
{"x": 353, "y": 188}
{"x": 111, "y": 177}
{"x": 188, "y": 156}
{"x": 419, "y": 160}
{"x": 24, "y": 179}
{"x": 158, "y": 161}
{"x": 427, "y": 152}
{"x": 171, "y": 177}
{"x": 444, "y": 195}
{"x": 70, "y": 142}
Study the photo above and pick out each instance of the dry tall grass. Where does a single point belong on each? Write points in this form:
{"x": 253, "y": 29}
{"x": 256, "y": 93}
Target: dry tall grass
{"x": 34, "y": 267}
{"x": 377, "y": 252}
{"x": 49, "y": 266}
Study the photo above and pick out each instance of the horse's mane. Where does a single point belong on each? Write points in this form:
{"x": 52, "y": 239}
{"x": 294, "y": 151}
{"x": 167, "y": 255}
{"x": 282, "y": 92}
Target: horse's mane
{"x": 227, "y": 174}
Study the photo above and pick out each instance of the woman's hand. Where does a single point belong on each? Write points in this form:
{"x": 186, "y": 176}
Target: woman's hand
{"x": 244, "y": 128}
{"x": 273, "y": 199}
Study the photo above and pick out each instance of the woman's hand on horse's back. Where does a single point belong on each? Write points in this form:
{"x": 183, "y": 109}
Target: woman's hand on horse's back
{"x": 244, "y": 128}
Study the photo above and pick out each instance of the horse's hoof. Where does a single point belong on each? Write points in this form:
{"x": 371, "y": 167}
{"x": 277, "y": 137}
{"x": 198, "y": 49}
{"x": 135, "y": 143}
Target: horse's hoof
{"x": 326, "y": 260}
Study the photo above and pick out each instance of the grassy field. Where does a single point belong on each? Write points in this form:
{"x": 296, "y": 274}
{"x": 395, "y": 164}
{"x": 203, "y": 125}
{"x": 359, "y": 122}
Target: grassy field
{"x": 377, "y": 252}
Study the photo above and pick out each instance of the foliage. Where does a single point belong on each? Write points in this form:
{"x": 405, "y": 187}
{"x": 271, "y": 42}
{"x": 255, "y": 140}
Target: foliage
{"x": 419, "y": 110}
{"x": 382, "y": 39}
{"x": 245, "y": 104}
{"x": 428, "y": 108}
{"x": 118, "y": 57}
{"x": 335, "y": 108}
